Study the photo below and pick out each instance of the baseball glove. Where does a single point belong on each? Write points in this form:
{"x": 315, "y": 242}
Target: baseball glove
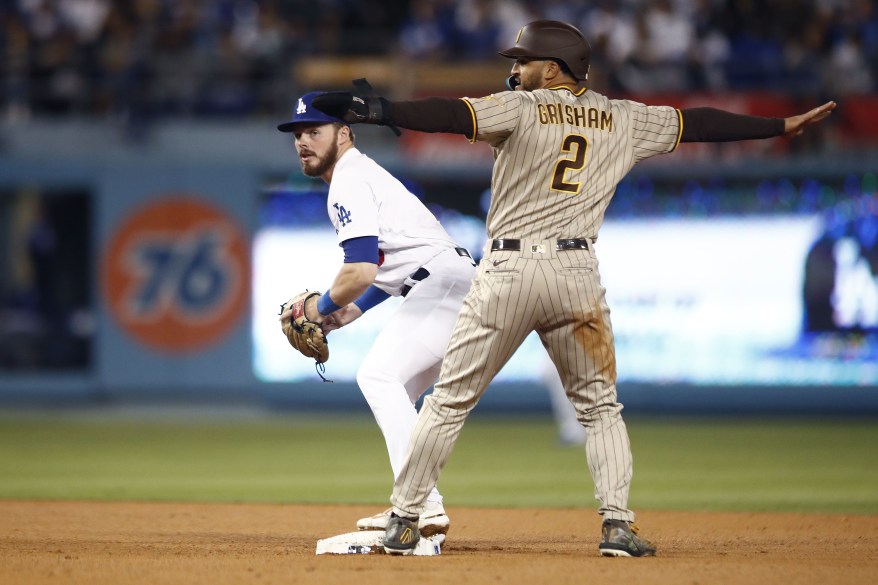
{"x": 302, "y": 333}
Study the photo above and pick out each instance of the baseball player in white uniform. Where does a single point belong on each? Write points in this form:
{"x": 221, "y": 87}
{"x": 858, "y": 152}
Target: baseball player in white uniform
{"x": 393, "y": 246}
{"x": 559, "y": 152}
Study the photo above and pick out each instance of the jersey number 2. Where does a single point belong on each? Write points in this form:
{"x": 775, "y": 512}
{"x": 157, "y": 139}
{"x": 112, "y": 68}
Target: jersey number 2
{"x": 578, "y": 146}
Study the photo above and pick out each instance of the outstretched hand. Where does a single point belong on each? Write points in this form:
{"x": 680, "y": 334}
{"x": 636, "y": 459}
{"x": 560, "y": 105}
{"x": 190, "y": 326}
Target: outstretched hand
{"x": 334, "y": 103}
{"x": 795, "y": 125}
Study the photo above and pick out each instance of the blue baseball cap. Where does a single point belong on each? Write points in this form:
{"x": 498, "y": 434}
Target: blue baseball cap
{"x": 305, "y": 112}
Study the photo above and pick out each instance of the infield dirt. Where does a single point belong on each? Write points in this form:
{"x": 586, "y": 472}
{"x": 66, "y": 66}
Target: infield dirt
{"x": 157, "y": 543}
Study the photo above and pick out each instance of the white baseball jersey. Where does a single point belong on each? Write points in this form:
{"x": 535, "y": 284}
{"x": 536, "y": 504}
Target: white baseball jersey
{"x": 366, "y": 200}
{"x": 559, "y": 156}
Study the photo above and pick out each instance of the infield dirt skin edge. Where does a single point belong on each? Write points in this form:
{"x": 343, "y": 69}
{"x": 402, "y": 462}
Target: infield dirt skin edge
{"x": 121, "y": 543}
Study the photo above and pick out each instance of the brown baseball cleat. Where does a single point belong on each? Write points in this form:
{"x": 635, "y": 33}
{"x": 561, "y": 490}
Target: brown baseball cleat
{"x": 620, "y": 540}
{"x": 402, "y": 536}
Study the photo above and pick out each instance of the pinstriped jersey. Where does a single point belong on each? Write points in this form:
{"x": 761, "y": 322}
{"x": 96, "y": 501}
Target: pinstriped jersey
{"x": 559, "y": 156}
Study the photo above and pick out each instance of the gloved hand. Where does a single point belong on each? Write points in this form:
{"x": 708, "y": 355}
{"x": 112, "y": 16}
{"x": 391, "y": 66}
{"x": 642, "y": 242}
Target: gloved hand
{"x": 361, "y": 106}
{"x": 305, "y": 335}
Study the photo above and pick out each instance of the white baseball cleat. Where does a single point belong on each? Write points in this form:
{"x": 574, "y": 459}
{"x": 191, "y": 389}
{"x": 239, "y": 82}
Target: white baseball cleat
{"x": 434, "y": 521}
{"x": 376, "y": 522}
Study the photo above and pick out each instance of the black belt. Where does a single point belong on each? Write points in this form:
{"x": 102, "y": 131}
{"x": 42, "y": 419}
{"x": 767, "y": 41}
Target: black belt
{"x": 568, "y": 244}
{"x": 422, "y": 273}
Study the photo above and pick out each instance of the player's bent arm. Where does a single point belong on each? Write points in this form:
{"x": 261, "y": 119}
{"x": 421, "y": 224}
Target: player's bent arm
{"x": 713, "y": 125}
{"x": 350, "y": 283}
{"x": 353, "y": 311}
{"x": 356, "y": 275}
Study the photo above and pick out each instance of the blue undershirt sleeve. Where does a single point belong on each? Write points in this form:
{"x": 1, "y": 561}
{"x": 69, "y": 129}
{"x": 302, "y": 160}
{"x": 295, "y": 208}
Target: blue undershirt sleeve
{"x": 362, "y": 249}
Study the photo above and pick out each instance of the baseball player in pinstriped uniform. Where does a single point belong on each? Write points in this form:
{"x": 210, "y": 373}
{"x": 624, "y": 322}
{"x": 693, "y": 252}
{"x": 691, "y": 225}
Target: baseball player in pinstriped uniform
{"x": 560, "y": 150}
{"x": 393, "y": 246}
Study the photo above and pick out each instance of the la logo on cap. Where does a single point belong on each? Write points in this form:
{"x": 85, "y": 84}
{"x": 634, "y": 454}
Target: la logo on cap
{"x": 301, "y": 109}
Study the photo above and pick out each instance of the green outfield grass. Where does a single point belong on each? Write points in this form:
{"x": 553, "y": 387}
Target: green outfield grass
{"x": 680, "y": 464}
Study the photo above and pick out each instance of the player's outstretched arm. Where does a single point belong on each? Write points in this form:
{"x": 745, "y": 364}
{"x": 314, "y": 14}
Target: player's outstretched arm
{"x": 795, "y": 125}
{"x": 713, "y": 125}
{"x": 425, "y": 115}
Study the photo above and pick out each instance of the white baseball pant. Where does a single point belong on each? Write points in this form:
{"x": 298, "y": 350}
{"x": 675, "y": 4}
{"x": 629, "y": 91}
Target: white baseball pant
{"x": 407, "y": 355}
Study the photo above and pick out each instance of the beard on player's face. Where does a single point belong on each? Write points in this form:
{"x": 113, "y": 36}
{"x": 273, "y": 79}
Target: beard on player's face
{"x": 323, "y": 163}
{"x": 318, "y": 163}
{"x": 531, "y": 76}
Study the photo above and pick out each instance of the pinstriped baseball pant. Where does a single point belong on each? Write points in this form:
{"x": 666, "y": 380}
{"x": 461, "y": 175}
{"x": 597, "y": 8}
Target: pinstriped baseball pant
{"x": 559, "y": 295}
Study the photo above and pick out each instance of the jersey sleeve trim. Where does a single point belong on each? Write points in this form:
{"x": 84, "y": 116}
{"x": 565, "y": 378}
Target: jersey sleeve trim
{"x": 577, "y": 93}
{"x": 475, "y": 121}
{"x": 680, "y": 133}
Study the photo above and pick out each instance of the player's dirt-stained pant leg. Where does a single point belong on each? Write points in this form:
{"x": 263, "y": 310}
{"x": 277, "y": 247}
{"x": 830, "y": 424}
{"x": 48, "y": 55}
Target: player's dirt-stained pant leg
{"x": 497, "y": 315}
{"x": 579, "y": 337}
{"x": 405, "y": 358}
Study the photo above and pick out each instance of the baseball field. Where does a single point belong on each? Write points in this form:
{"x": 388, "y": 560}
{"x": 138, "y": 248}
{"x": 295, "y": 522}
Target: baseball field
{"x": 180, "y": 497}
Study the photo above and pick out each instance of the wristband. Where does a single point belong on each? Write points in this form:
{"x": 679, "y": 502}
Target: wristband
{"x": 325, "y": 306}
{"x": 370, "y": 298}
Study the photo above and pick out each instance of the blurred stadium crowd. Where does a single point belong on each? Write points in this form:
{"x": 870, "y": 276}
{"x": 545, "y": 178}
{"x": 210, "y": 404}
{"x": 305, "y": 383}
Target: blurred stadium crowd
{"x": 237, "y": 57}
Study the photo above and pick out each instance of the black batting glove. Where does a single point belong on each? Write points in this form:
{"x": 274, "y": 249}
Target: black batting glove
{"x": 353, "y": 109}
{"x": 357, "y": 108}
{"x": 334, "y": 103}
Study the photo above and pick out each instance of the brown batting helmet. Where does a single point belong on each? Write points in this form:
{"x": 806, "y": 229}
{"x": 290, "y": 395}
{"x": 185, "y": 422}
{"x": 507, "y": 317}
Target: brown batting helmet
{"x": 553, "y": 39}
